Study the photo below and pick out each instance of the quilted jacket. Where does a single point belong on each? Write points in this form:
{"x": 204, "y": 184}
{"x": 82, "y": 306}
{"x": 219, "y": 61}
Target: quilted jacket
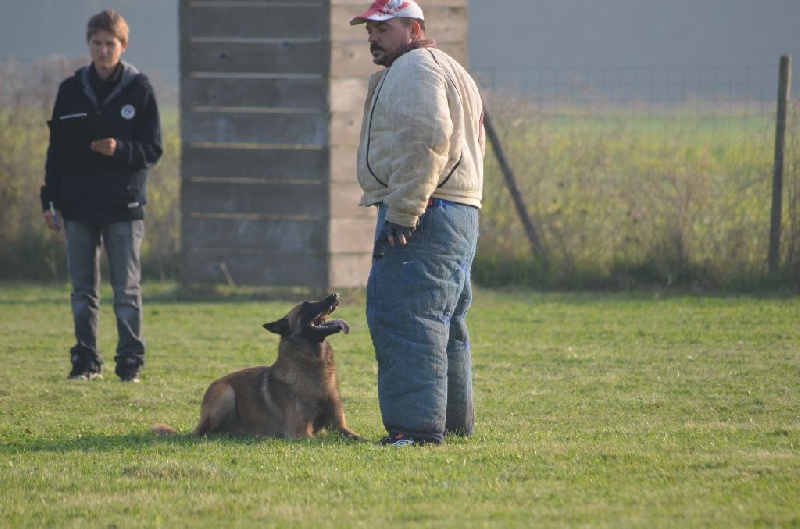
{"x": 421, "y": 136}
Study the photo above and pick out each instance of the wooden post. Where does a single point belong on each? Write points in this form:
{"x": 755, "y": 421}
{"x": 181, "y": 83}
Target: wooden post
{"x": 516, "y": 196}
{"x": 777, "y": 177}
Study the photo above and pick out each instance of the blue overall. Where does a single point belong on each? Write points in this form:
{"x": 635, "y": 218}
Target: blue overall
{"x": 417, "y": 301}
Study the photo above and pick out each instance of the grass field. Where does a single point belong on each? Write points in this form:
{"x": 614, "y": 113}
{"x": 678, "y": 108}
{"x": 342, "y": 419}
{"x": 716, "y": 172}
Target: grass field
{"x": 593, "y": 410}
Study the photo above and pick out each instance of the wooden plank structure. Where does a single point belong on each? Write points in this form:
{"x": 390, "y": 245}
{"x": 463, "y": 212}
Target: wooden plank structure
{"x": 272, "y": 94}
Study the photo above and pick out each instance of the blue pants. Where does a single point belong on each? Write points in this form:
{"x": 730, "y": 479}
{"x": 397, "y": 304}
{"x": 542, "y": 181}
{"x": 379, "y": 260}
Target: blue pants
{"x": 417, "y": 301}
{"x": 122, "y": 242}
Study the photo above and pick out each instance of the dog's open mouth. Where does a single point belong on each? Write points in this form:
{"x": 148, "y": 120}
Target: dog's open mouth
{"x": 321, "y": 322}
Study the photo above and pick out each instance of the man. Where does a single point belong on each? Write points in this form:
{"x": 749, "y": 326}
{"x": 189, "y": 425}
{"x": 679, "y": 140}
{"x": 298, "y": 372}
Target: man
{"x": 420, "y": 161}
{"x": 104, "y": 135}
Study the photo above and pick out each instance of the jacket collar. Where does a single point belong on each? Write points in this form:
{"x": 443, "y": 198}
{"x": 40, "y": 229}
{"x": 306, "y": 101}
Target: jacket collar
{"x": 417, "y": 44}
{"x": 127, "y": 74}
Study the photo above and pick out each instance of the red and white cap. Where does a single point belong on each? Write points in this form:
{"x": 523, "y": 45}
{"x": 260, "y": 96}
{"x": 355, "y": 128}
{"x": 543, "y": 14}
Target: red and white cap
{"x": 382, "y": 10}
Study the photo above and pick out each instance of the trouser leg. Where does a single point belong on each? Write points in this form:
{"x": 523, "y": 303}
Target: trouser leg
{"x": 410, "y": 352}
{"x": 123, "y": 242}
{"x": 83, "y": 263}
{"x": 460, "y": 408}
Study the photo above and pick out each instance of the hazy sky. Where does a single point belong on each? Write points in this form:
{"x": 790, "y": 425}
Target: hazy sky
{"x": 633, "y": 32}
{"x": 503, "y": 33}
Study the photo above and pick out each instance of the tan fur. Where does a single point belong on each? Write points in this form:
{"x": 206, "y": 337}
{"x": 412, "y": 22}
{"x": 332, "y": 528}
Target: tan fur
{"x": 293, "y": 398}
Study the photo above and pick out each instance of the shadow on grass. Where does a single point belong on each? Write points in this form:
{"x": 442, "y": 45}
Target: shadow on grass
{"x": 117, "y": 443}
{"x": 30, "y": 292}
{"x": 195, "y": 293}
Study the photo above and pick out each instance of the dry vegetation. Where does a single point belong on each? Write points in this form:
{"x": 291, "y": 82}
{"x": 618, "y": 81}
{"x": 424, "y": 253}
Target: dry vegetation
{"x": 622, "y": 197}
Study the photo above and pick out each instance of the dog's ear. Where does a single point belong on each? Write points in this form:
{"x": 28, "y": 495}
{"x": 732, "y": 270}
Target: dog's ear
{"x": 280, "y": 327}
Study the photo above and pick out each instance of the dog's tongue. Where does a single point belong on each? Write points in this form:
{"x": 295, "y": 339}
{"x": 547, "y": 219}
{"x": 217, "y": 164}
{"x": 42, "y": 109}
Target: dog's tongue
{"x": 339, "y": 323}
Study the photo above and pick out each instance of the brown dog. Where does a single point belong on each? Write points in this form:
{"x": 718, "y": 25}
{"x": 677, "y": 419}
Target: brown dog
{"x": 293, "y": 398}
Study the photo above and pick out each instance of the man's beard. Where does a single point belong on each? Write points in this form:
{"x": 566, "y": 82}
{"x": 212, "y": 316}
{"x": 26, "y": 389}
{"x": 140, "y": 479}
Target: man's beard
{"x": 381, "y": 61}
{"x": 388, "y": 58}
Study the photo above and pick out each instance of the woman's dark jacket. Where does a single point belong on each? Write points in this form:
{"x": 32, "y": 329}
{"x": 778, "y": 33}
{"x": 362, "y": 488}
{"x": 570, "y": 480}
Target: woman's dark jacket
{"x": 87, "y": 186}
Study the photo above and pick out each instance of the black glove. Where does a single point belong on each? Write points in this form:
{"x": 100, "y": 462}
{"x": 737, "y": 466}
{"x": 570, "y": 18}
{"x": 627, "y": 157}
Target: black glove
{"x": 389, "y": 230}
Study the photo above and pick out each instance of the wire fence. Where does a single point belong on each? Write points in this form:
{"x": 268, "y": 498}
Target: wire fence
{"x": 624, "y": 85}
{"x": 721, "y": 97}
{"x": 667, "y": 170}
{"x": 628, "y": 175}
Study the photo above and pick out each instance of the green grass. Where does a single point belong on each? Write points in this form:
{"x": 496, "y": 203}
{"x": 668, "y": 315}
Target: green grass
{"x": 593, "y": 410}
{"x": 683, "y": 196}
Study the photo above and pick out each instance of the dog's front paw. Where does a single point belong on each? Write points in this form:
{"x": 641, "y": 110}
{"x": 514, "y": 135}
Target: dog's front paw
{"x": 352, "y": 436}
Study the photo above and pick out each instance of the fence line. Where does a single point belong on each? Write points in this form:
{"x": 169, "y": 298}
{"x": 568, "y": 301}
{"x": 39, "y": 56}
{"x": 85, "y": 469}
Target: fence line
{"x": 677, "y": 185}
{"x": 662, "y": 102}
{"x": 625, "y": 85}
{"x": 669, "y": 167}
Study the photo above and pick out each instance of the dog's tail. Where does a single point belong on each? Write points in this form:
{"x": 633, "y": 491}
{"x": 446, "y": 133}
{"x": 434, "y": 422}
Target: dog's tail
{"x": 163, "y": 429}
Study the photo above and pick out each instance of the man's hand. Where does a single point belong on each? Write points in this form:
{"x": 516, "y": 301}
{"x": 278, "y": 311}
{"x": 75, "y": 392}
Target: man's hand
{"x": 106, "y": 146}
{"x": 390, "y": 234}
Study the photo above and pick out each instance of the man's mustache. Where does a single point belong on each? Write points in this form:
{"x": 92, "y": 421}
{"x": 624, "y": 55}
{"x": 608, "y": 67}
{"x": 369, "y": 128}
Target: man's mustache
{"x": 374, "y": 47}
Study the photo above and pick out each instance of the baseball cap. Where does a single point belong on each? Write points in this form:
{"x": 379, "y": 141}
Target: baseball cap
{"x": 382, "y": 10}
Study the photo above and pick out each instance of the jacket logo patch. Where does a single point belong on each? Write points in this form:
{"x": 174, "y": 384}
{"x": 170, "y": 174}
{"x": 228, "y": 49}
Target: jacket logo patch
{"x": 128, "y": 111}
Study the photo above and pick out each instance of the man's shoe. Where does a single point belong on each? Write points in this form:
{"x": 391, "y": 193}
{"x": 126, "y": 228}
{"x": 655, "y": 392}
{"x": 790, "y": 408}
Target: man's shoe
{"x": 399, "y": 440}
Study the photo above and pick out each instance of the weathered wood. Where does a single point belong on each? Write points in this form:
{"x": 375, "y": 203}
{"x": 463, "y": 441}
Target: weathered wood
{"x": 279, "y": 201}
{"x": 276, "y": 236}
{"x": 343, "y": 163}
{"x": 202, "y": 265}
{"x": 256, "y": 19}
{"x": 255, "y": 94}
{"x": 351, "y": 235}
{"x": 344, "y": 197}
{"x": 349, "y": 270}
{"x": 279, "y": 128}
{"x": 347, "y": 126}
{"x": 347, "y": 94}
{"x": 287, "y": 57}
{"x": 266, "y": 164}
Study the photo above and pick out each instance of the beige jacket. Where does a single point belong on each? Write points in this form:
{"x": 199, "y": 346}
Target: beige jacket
{"x": 421, "y": 136}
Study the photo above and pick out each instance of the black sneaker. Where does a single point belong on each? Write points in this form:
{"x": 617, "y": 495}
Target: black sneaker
{"x": 128, "y": 368}
{"x": 81, "y": 371}
{"x": 130, "y": 377}
{"x": 84, "y": 370}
